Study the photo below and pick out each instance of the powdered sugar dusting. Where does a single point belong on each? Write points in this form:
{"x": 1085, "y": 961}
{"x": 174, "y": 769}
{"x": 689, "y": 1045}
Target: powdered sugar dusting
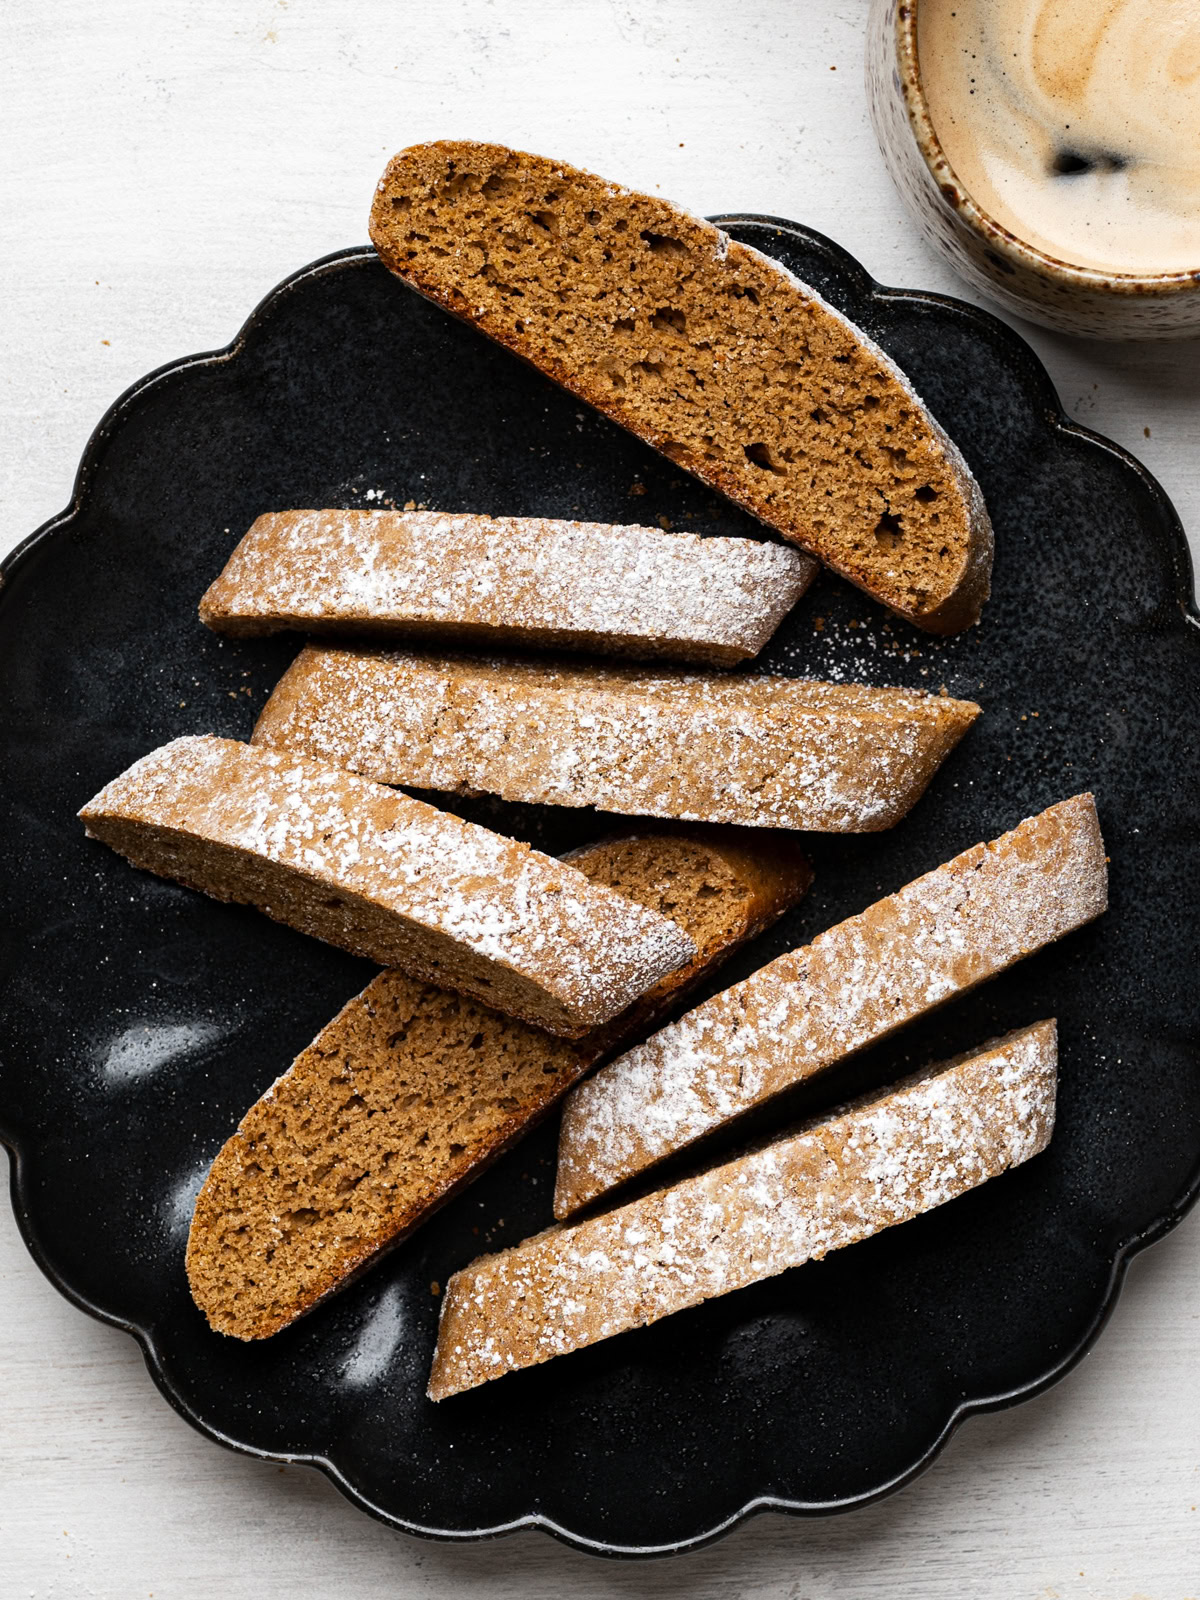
{"x": 845, "y": 1177}
{"x": 589, "y": 947}
{"x": 857, "y": 982}
{"x": 567, "y": 583}
{"x": 756, "y": 750}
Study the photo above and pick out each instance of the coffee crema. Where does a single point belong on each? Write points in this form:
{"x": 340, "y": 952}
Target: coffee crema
{"x": 1075, "y": 124}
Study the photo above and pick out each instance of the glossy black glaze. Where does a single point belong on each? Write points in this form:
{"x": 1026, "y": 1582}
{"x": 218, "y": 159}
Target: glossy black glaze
{"x": 140, "y": 1020}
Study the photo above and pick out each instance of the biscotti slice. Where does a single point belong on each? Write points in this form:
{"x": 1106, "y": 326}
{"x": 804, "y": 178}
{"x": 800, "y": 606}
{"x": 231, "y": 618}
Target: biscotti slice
{"x": 706, "y": 349}
{"x": 864, "y": 1168}
{"x": 389, "y": 878}
{"x": 510, "y": 582}
{"x": 936, "y": 938}
{"x": 411, "y": 1091}
{"x": 761, "y": 751}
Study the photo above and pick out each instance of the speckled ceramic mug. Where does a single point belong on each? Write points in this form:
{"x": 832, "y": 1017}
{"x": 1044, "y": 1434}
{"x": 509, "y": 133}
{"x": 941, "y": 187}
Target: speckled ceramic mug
{"x": 1106, "y": 305}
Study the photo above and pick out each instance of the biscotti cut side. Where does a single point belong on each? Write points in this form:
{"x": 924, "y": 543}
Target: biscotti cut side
{"x": 411, "y": 1091}
{"x": 388, "y": 878}
{"x": 865, "y": 1168}
{"x": 723, "y": 886}
{"x": 759, "y": 751}
{"x": 707, "y": 350}
{"x": 936, "y": 938}
{"x": 508, "y": 582}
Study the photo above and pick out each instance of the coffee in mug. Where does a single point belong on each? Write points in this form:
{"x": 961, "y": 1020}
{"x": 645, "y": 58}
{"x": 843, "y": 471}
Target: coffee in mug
{"x": 1075, "y": 124}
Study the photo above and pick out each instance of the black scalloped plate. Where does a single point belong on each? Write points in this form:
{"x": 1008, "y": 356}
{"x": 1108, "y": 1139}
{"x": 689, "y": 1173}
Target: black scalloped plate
{"x": 139, "y": 1020}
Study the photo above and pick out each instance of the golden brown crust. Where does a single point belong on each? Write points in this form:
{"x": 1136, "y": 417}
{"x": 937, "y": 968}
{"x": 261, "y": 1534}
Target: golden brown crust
{"x": 844, "y": 1177}
{"x": 707, "y": 350}
{"x": 753, "y": 750}
{"x": 411, "y": 1091}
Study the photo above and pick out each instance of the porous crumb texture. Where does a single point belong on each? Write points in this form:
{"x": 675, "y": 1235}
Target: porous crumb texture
{"x": 755, "y": 750}
{"x": 721, "y": 885}
{"x": 508, "y": 581}
{"x": 706, "y": 349}
{"x": 842, "y": 1179}
{"x": 411, "y": 1090}
{"x": 389, "y": 878}
{"x": 936, "y": 938}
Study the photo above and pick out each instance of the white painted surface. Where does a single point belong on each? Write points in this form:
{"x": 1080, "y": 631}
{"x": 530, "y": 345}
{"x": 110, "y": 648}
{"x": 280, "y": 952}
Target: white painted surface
{"x": 164, "y": 166}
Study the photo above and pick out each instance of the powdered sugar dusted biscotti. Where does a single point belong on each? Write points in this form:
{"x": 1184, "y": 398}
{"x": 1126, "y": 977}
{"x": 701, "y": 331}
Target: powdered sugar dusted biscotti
{"x": 936, "y": 938}
{"x": 708, "y": 747}
{"x": 389, "y": 878}
{"x": 509, "y": 582}
{"x": 411, "y": 1091}
{"x": 841, "y": 1179}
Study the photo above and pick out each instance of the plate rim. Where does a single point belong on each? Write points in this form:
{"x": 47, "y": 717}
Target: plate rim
{"x": 1176, "y": 546}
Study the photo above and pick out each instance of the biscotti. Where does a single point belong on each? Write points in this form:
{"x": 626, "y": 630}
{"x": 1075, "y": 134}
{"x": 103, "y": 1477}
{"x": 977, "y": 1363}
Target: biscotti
{"x": 411, "y": 1091}
{"x": 938, "y": 937}
{"x": 850, "y": 1175}
{"x": 761, "y": 751}
{"x": 508, "y": 582}
{"x": 389, "y": 878}
{"x": 706, "y": 349}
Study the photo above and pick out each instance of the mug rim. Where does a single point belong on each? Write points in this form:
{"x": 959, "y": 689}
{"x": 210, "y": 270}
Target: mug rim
{"x": 982, "y": 222}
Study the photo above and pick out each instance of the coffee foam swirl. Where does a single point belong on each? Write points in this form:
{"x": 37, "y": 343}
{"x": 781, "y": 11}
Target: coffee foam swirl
{"x": 1074, "y": 123}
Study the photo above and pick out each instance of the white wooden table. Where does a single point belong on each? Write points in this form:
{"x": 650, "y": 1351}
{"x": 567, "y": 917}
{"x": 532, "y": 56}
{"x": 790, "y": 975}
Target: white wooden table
{"x": 164, "y": 166}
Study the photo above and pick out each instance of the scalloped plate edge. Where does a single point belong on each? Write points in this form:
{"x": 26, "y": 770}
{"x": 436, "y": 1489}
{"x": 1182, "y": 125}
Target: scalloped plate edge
{"x": 1175, "y": 541}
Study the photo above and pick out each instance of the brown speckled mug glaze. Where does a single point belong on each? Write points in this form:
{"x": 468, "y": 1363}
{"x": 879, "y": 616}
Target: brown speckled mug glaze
{"x": 1023, "y": 279}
